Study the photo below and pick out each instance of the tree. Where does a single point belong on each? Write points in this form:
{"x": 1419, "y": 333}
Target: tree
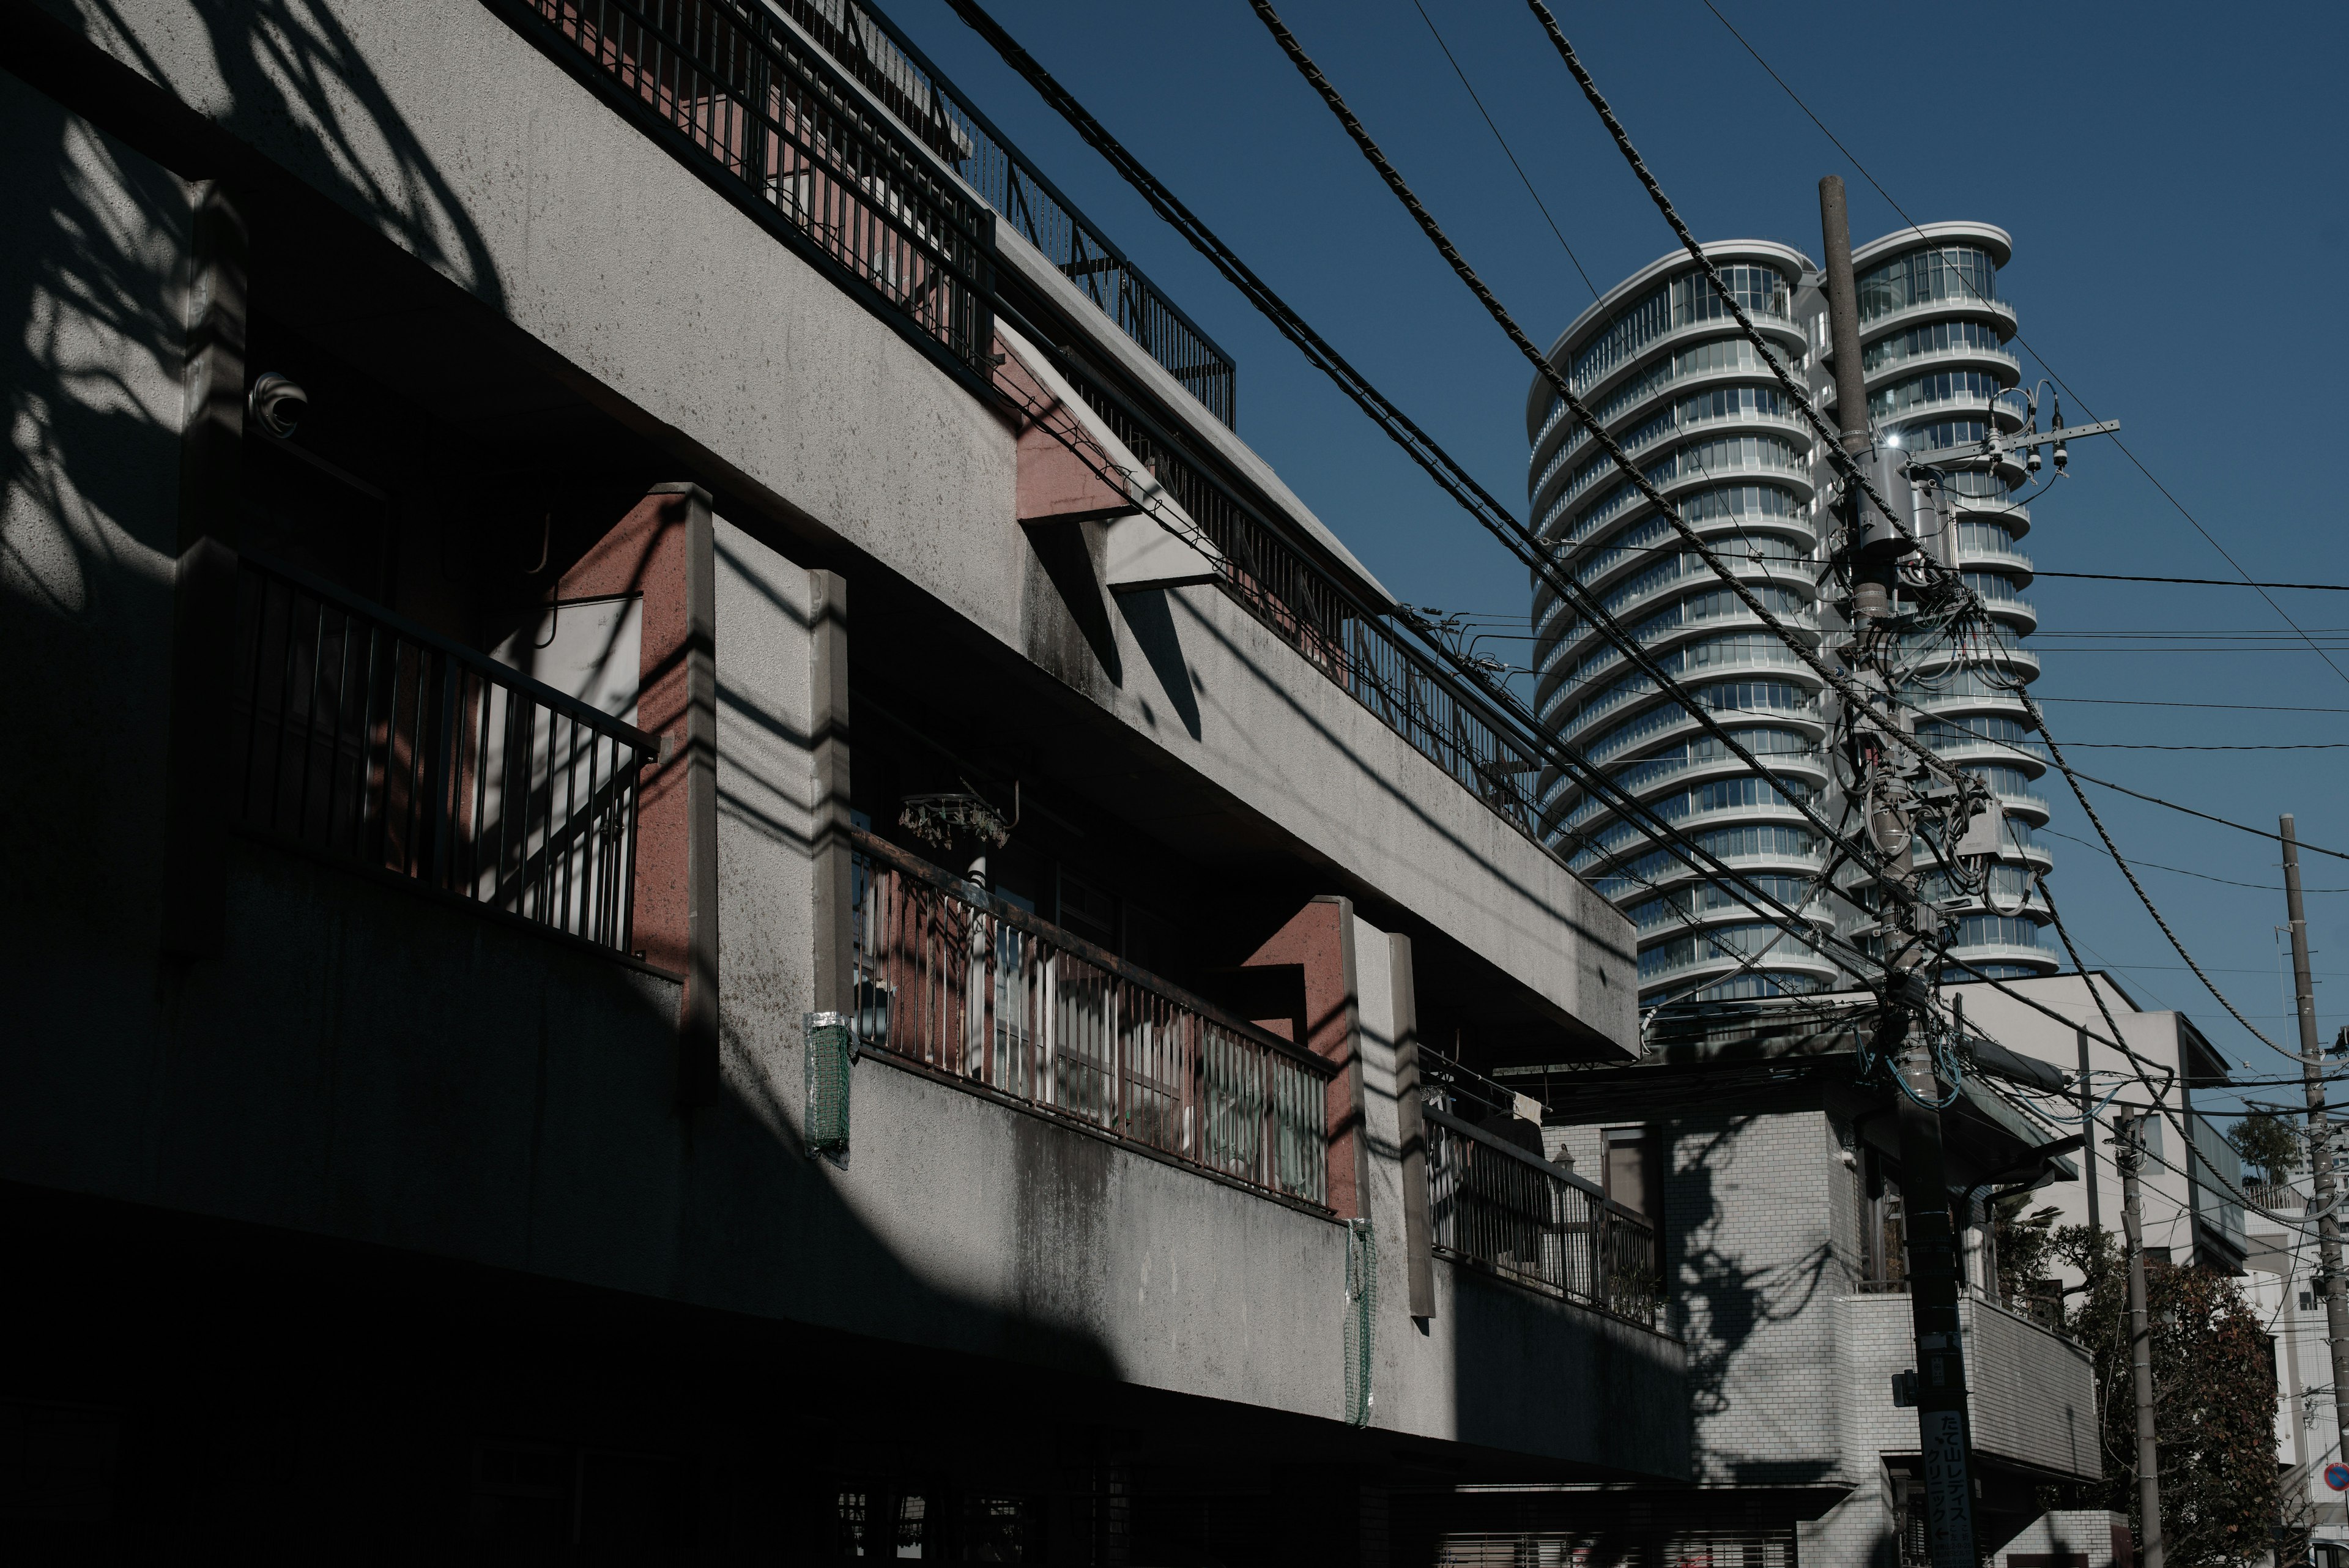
{"x": 2025, "y": 1246}
{"x": 2214, "y": 1402}
{"x": 2267, "y": 1143}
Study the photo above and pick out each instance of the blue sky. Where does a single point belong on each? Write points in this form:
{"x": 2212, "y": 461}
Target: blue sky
{"x": 2172, "y": 177}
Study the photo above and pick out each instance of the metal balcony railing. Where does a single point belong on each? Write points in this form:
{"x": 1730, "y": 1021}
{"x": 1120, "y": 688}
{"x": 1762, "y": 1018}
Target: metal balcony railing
{"x": 373, "y": 742}
{"x": 725, "y": 84}
{"x": 1364, "y": 652}
{"x": 949, "y": 976}
{"x": 1496, "y": 1207}
{"x": 897, "y": 73}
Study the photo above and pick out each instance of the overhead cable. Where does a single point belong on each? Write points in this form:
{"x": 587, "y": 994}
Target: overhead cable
{"x": 2245, "y": 578}
{"x": 1638, "y": 477}
{"x": 1507, "y": 152}
{"x": 2198, "y": 582}
{"x": 1453, "y": 478}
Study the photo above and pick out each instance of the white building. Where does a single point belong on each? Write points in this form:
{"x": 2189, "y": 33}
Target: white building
{"x": 2192, "y": 1212}
{"x": 2284, "y": 1287}
{"x": 1667, "y": 371}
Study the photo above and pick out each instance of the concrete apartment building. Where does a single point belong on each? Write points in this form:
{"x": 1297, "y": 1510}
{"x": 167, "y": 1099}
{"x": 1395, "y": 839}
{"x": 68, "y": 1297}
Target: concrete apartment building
{"x": 1771, "y": 1163}
{"x": 702, "y": 871}
{"x": 1667, "y": 370}
{"x": 2192, "y": 1203}
{"x": 2284, "y": 1283}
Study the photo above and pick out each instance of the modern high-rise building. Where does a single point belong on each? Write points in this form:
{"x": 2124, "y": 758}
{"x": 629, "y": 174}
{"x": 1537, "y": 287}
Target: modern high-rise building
{"x": 1666, "y": 368}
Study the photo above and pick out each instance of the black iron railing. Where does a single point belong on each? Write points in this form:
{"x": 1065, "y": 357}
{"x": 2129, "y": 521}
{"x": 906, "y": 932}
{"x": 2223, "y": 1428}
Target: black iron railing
{"x": 375, "y": 742}
{"x": 897, "y": 73}
{"x": 1359, "y": 648}
{"x": 1495, "y": 1206}
{"x": 953, "y": 978}
{"x": 725, "y": 82}
{"x": 746, "y": 93}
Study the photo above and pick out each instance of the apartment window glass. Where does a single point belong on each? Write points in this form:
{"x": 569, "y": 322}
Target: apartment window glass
{"x": 1087, "y": 910}
{"x": 1957, "y": 273}
{"x": 1632, "y": 1177}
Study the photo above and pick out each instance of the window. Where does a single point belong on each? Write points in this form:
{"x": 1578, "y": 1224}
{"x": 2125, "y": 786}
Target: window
{"x": 1631, "y": 1177}
{"x": 1087, "y": 910}
{"x": 1957, "y": 273}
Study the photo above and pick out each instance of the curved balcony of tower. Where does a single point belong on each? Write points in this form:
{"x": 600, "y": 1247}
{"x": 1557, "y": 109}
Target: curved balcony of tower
{"x": 1939, "y": 378}
{"x": 1667, "y": 373}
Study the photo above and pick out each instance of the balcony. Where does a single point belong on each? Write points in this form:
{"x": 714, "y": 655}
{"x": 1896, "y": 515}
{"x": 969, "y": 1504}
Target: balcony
{"x": 1496, "y": 1208}
{"x": 367, "y": 740}
{"x": 1499, "y": 1208}
{"x": 764, "y": 109}
{"x": 2031, "y": 1394}
{"x": 955, "y": 982}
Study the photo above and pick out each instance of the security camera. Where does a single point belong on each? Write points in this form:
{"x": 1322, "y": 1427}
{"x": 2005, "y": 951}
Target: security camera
{"x": 277, "y": 403}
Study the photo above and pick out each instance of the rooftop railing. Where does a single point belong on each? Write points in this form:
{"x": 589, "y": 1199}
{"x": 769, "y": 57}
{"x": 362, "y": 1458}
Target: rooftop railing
{"x": 375, "y": 743}
{"x": 1363, "y": 651}
{"x": 726, "y": 84}
{"x": 897, "y": 73}
{"x": 973, "y": 987}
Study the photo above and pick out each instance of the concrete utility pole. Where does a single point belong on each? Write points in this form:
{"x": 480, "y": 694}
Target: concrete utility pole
{"x": 2320, "y": 1140}
{"x": 2088, "y": 1148}
{"x": 1933, "y": 1290}
{"x": 1873, "y": 544}
{"x": 2130, "y": 1156}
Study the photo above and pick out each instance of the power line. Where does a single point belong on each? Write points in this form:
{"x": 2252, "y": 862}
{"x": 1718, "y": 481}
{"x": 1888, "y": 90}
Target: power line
{"x": 1565, "y": 394}
{"x": 2022, "y": 692}
{"x": 1623, "y": 143}
{"x": 1473, "y": 497}
{"x": 2196, "y": 581}
{"x": 2146, "y": 702}
{"x": 1631, "y": 471}
{"x": 1504, "y": 141}
{"x": 2211, "y": 539}
{"x": 2157, "y": 800}
{"x": 1503, "y": 525}
{"x": 2182, "y": 871}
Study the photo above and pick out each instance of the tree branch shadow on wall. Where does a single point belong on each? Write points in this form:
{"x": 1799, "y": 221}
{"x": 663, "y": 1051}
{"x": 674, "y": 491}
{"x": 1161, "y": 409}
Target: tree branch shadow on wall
{"x": 228, "y": 1101}
{"x": 1721, "y": 1302}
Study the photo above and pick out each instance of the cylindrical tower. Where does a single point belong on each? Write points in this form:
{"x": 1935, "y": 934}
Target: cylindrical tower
{"x": 1664, "y": 366}
{"x": 1939, "y": 377}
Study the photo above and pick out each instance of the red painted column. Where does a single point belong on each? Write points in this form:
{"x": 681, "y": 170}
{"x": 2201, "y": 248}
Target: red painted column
{"x": 1319, "y": 940}
{"x": 645, "y": 553}
{"x": 661, "y": 550}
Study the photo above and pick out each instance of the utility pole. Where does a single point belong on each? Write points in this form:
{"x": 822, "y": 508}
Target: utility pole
{"x": 2088, "y": 1150}
{"x": 2130, "y": 1155}
{"x": 2320, "y": 1140}
{"x": 1871, "y": 547}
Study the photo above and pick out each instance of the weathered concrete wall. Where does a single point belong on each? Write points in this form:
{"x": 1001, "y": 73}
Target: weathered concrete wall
{"x": 467, "y": 146}
{"x": 91, "y": 274}
{"x": 1496, "y": 1363}
{"x": 368, "y": 1063}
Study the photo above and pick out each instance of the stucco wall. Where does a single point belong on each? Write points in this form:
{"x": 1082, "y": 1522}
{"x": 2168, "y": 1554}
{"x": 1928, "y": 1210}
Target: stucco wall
{"x": 473, "y": 151}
